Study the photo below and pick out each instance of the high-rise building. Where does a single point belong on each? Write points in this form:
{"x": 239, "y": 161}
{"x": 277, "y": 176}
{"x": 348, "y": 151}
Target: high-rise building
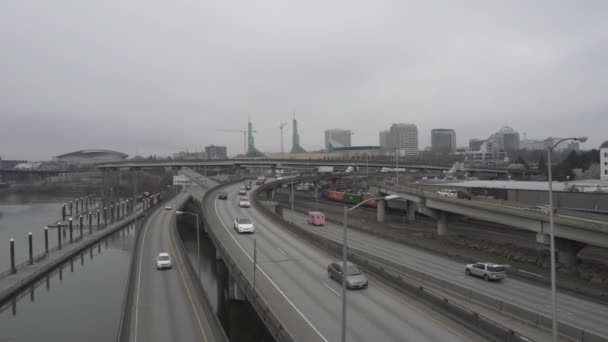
{"x": 604, "y": 161}
{"x": 404, "y": 138}
{"x": 443, "y": 140}
{"x": 295, "y": 141}
{"x": 385, "y": 140}
{"x": 216, "y": 152}
{"x": 505, "y": 140}
{"x": 475, "y": 144}
{"x": 532, "y": 144}
{"x": 337, "y": 137}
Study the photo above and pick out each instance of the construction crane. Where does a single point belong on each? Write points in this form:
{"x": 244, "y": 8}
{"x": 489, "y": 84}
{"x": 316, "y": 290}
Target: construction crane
{"x": 244, "y": 131}
{"x": 281, "y": 128}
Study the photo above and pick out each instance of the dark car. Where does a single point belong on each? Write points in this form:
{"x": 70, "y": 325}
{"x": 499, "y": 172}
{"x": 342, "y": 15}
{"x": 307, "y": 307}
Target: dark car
{"x": 222, "y": 195}
{"x": 464, "y": 194}
{"x": 354, "y": 278}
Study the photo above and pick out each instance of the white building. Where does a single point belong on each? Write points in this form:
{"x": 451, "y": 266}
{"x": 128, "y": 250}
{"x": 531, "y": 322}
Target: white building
{"x": 604, "y": 161}
{"x": 337, "y": 137}
{"x": 404, "y": 138}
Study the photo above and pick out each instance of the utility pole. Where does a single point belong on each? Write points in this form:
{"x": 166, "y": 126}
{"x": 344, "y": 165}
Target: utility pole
{"x": 281, "y": 128}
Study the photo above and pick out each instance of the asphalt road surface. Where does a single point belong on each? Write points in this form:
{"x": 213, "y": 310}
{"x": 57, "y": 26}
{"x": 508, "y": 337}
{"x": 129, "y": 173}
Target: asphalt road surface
{"x": 166, "y": 305}
{"x": 300, "y": 272}
{"x": 576, "y": 311}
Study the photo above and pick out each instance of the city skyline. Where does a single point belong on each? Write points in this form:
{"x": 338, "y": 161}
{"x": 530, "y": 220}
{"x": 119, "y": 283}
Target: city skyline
{"x": 157, "y": 89}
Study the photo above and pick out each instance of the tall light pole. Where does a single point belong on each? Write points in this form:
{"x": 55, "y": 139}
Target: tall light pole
{"x": 396, "y": 166}
{"x": 344, "y": 255}
{"x": 552, "y": 236}
{"x": 198, "y": 240}
{"x": 281, "y": 128}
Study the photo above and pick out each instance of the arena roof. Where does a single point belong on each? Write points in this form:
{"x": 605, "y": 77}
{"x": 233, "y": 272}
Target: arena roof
{"x": 92, "y": 153}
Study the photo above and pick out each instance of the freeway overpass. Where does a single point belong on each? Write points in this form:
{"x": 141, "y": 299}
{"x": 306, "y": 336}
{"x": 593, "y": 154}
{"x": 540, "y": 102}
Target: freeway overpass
{"x": 278, "y": 163}
{"x": 572, "y": 231}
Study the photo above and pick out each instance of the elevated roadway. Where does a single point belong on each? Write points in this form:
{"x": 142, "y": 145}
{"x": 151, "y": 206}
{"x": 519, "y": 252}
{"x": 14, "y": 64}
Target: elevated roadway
{"x": 166, "y": 305}
{"x": 274, "y": 163}
{"x": 292, "y": 278}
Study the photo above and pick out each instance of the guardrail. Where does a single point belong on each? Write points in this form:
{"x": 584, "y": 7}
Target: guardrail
{"x": 393, "y": 273}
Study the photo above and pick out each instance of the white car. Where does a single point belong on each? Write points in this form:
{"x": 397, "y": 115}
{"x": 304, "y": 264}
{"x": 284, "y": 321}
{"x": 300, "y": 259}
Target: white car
{"x": 244, "y": 202}
{"x": 448, "y": 193}
{"x": 243, "y": 225}
{"x": 243, "y": 191}
{"x": 163, "y": 261}
{"x": 168, "y": 207}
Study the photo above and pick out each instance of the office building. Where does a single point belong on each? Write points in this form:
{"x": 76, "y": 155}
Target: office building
{"x": 532, "y": 144}
{"x": 216, "y": 152}
{"x": 443, "y": 140}
{"x": 475, "y": 144}
{"x": 385, "y": 140}
{"x": 404, "y": 138}
{"x": 604, "y": 161}
{"x": 337, "y": 138}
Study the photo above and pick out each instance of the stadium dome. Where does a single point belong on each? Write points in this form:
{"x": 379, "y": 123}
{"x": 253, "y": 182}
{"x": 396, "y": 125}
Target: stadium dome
{"x": 91, "y": 156}
{"x": 604, "y": 145}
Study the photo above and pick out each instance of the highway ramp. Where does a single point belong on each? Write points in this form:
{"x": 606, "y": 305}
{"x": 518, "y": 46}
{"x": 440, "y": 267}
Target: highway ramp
{"x": 165, "y": 305}
{"x": 299, "y": 271}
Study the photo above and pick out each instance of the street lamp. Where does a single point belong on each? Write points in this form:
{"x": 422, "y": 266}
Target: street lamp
{"x": 344, "y": 255}
{"x": 198, "y": 241}
{"x": 551, "y": 233}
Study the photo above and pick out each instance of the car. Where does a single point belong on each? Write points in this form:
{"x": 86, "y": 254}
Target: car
{"x": 222, "y": 195}
{"x": 243, "y": 191}
{"x": 486, "y": 270}
{"x": 464, "y": 194}
{"x": 355, "y": 279}
{"x": 244, "y": 202}
{"x": 543, "y": 209}
{"x": 448, "y": 193}
{"x": 248, "y": 186}
{"x": 243, "y": 225}
{"x": 168, "y": 207}
{"x": 163, "y": 261}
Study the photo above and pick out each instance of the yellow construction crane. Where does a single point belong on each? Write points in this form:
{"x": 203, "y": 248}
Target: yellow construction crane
{"x": 244, "y": 131}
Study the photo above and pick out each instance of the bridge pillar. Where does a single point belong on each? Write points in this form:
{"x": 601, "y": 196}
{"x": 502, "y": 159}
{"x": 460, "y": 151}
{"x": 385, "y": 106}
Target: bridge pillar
{"x": 442, "y": 223}
{"x": 567, "y": 251}
{"x": 218, "y": 255}
{"x": 273, "y": 168}
{"x": 234, "y": 292}
{"x": 380, "y": 210}
{"x": 411, "y": 211}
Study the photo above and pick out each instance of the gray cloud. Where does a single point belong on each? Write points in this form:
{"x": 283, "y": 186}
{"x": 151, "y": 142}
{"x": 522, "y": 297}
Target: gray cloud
{"x": 157, "y": 76}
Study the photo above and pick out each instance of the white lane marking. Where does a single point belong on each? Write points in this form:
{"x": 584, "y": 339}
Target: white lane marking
{"x": 141, "y": 257}
{"x": 267, "y": 277}
{"x": 332, "y": 290}
{"x": 281, "y": 251}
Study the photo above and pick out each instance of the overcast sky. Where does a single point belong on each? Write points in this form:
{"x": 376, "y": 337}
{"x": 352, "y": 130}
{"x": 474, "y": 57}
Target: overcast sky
{"x": 160, "y": 76}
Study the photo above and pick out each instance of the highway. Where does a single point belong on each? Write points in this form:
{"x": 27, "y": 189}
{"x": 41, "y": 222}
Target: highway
{"x": 299, "y": 271}
{"x": 579, "y": 312}
{"x": 166, "y": 306}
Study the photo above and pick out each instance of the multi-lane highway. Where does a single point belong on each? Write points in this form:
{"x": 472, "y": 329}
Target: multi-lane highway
{"x": 166, "y": 305}
{"x": 578, "y": 312}
{"x": 298, "y": 270}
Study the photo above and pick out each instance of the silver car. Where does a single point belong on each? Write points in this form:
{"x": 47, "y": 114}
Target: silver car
{"x": 486, "y": 270}
{"x": 354, "y": 278}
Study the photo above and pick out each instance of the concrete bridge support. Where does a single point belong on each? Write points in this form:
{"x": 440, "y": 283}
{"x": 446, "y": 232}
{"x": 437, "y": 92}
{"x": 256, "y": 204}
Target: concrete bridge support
{"x": 442, "y": 223}
{"x": 567, "y": 251}
{"x": 234, "y": 292}
{"x": 380, "y": 210}
{"x": 411, "y": 211}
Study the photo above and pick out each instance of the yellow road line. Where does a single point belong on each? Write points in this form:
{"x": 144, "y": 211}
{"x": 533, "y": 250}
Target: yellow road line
{"x": 200, "y": 324}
